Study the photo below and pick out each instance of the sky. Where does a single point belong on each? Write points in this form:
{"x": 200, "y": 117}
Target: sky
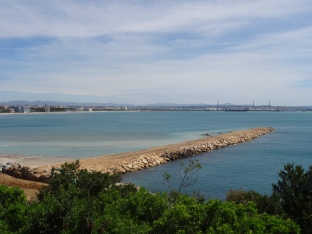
{"x": 157, "y": 51}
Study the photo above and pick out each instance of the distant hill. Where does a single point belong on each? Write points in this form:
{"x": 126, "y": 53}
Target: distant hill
{"x": 53, "y": 103}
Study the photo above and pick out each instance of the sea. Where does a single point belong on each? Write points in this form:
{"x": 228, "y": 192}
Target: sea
{"x": 251, "y": 166}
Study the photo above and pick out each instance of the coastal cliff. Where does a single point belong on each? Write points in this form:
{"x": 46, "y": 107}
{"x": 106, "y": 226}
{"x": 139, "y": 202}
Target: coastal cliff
{"x": 128, "y": 162}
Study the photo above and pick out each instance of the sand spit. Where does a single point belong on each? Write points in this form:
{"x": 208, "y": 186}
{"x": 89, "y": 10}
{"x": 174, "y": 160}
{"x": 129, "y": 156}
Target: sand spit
{"x": 132, "y": 161}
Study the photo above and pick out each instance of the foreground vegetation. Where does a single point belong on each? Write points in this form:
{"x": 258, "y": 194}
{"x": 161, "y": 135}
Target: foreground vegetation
{"x": 78, "y": 201}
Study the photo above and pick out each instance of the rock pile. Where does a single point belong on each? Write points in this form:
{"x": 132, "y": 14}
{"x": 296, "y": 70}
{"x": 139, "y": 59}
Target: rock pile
{"x": 148, "y": 158}
{"x": 26, "y": 173}
{"x": 153, "y": 159}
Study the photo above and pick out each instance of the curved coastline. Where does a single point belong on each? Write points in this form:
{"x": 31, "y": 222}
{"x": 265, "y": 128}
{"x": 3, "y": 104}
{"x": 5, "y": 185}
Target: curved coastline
{"x": 132, "y": 161}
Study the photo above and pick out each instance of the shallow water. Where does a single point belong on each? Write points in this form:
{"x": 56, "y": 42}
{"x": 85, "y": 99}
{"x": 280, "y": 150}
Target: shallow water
{"x": 252, "y": 165}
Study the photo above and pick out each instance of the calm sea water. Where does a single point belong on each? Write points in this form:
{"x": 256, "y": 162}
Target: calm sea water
{"x": 253, "y": 165}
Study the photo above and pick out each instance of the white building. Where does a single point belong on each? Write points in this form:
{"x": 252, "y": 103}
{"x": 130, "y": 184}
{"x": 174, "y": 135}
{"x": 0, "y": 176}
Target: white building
{"x": 25, "y": 109}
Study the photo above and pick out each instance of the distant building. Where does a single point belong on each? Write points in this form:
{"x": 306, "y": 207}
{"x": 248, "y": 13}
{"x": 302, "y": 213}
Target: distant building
{"x": 46, "y": 108}
{"x": 26, "y": 109}
{"x": 17, "y": 109}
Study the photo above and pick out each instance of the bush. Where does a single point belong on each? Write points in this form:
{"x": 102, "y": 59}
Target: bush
{"x": 84, "y": 183}
{"x": 264, "y": 203}
{"x": 72, "y": 201}
{"x": 12, "y": 208}
{"x": 189, "y": 216}
{"x": 78, "y": 201}
{"x": 294, "y": 191}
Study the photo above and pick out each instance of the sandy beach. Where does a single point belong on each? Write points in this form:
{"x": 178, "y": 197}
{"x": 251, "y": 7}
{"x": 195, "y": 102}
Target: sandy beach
{"x": 32, "y": 161}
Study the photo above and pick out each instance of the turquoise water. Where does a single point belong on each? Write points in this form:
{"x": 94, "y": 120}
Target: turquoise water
{"x": 252, "y": 165}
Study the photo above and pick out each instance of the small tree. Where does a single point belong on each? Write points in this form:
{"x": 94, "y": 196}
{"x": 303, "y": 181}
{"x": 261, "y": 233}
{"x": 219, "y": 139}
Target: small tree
{"x": 294, "y": 190}
{"x": 188, "y": 177}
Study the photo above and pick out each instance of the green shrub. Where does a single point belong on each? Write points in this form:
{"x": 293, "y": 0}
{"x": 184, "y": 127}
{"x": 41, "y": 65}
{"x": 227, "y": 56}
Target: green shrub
{"x": 78, "y": 201}
{"x": 294, "y": 191}
{"x": 12, "y": 209}
{"x": 264, "y": 203}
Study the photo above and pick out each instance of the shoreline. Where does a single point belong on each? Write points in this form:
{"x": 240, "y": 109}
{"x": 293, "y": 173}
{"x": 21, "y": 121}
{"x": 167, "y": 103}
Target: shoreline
{"x": 29, "y": 178}
{"x": 137, "y": 160}
{"x": 32, "y": 161}
{"x": 66, "y": 112}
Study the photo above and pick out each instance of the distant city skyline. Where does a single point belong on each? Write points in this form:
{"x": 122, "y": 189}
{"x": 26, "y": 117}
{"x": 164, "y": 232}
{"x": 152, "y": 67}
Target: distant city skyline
{"x": 144, "y": 52}
{"x": 64, "y": 103}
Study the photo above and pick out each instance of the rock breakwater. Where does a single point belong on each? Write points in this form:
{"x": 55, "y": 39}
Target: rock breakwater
{"x": 133, "y": 161}
{"x": 185, "y": 150}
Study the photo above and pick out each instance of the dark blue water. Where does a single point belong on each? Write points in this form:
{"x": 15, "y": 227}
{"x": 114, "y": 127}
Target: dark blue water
{"x": 253, "y": 165}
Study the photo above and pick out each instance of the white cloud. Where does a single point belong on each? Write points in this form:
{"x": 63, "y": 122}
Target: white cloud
{"x": 164, "y": 51}
{"x": 94, "y": 18}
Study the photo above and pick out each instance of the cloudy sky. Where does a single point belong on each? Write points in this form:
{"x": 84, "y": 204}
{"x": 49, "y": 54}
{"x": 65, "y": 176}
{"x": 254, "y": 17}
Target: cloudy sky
{"x": 157, "y": 51}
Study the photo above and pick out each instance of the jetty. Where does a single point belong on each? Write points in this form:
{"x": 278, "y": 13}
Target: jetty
{"x": 138, "y": 160}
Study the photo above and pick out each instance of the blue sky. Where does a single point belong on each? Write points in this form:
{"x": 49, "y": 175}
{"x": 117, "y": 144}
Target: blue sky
{"x": 163, "y": 51}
